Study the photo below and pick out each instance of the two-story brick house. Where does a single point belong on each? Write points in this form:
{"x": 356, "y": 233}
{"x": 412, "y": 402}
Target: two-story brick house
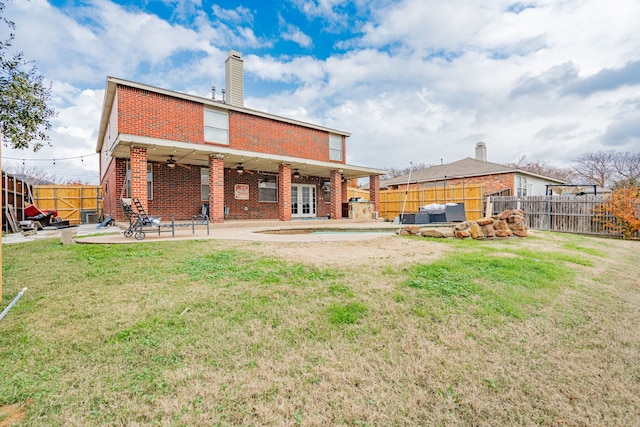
{"x": 177, "y": 152}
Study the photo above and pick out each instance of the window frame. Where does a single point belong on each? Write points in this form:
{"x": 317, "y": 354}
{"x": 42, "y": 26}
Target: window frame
{"x": 203, "y": 184}
{"x": 149, "y": 179}
{"x": 262, "y": 189}
{"x": 216, "y": 126}
{"x": 336, "y": 150}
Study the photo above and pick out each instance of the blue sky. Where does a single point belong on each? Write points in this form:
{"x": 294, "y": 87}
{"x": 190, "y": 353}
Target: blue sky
{"x": 413, "y": 81}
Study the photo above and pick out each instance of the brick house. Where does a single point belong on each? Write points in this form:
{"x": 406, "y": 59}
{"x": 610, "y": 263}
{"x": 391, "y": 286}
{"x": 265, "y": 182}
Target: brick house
{"x": 496, "y": 179}
{"x": 178, "y": 152}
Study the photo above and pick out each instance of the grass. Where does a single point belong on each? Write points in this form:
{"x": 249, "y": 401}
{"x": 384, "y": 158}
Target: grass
{"x": 519, "y": 332}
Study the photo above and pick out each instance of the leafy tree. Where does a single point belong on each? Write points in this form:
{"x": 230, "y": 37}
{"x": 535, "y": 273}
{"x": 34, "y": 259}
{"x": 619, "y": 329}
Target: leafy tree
{"x": 621, "y": 212}
{"x": 24, "y": 114}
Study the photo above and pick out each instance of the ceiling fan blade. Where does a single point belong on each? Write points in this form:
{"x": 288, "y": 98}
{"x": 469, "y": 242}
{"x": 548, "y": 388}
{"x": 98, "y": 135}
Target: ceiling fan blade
{"x": 184, "y": 166}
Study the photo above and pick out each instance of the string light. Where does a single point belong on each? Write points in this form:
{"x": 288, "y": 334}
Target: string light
{"x": 49, "y": 160}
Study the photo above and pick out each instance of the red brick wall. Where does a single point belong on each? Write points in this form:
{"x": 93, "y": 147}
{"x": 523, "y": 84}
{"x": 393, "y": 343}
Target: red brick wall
{"x": 336, "y": 194}
{"x": 284, "y": 192}
{"x": 176, "y": 192}
{"x": 246, "y": 209}
{"x": 138, "y": 165}
{"x": 145, "y": 113}
{"x": 264, "y": 135}
{"x": 491, "y": 183}
{"x": 141, "y": 112}
{"x": 216, "y": 189}
{"x": 374, "y": 192}
{"x": 112, "y": 187}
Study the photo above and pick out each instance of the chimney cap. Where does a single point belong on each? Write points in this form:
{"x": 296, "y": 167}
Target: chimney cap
{"x": 235, "y": 54}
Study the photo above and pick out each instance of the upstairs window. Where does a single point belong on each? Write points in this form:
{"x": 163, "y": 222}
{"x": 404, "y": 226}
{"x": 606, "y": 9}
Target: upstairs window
{"x": 216, "y": 126}
{"x": 335, "y": 147}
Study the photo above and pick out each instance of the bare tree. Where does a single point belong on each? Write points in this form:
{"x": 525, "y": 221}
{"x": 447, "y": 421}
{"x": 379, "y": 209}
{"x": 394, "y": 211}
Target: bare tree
{"x": 33, "y": 175}
{"x": 394, "y": 172}
{"x": 596, "y": 167}
{"x": 627, "y": 166}
{"x": 544, "y": 169}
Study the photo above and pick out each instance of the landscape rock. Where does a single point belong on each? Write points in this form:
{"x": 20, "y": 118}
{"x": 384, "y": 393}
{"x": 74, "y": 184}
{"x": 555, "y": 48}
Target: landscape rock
{"x": 520, "y": 233}
{"x": 485, "y": 221}
{"x": 462, "y": 234}
{"x": 503, "y": 233}
{"x": 506, "y": 214}
{"x": 476, "y": 231}
{"x": 432, "y": 232}
{"x": 488, "y": 231}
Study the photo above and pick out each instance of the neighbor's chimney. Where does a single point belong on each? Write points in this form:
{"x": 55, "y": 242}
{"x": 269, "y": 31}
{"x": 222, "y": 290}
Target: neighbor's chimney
{"x": 234, "y": 79}
{"x": 481, "y": 151}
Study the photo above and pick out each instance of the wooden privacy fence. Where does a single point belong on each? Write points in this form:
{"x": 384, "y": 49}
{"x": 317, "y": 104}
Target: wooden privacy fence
{"x": 392, "y": 201}
{"x": 74, "y": 203}
{"x": 15, "y": 193}
{"x": 557, "y": 213}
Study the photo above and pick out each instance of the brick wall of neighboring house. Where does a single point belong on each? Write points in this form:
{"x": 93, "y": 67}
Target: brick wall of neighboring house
{"x": 145, "y": 113}
{"x": 491, "y": 183}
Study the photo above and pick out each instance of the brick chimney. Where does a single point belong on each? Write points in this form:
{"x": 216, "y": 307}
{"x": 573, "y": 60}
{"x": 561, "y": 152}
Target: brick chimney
{"x": 234, "y": 79}
{"x": 481, "y": 151}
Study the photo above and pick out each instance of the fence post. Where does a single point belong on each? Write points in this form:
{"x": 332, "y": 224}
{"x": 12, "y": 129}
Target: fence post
{"x": 548, "y": 212}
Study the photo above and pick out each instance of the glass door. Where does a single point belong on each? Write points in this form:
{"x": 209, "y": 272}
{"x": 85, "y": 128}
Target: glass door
{"x": 303, "y": 201}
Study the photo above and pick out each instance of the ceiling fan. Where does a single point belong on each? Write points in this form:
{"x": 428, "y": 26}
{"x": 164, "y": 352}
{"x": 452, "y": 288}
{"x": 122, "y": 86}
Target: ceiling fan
{"x": 240, "y": 169}
{"x": 171, "y": 163}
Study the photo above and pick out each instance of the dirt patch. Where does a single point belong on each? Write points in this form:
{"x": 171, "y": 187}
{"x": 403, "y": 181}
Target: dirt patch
{"x": 11, "y": 415}
{"x": 387, "y": 251}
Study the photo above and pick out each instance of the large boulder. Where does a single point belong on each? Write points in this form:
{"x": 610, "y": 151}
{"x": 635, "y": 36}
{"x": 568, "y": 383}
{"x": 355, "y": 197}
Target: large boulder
{"x": 476, "y": 231}
{"x": 485, "y": 221}
{"x": 488, "y": 231}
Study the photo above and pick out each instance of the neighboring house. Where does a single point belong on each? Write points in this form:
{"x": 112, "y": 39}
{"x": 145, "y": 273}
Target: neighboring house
{"x": 177, "y": 152}
{"x": 497, "y": 179}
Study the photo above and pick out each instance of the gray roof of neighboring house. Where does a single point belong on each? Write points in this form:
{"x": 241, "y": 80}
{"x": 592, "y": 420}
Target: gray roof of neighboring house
{"x": 467, "y": 167}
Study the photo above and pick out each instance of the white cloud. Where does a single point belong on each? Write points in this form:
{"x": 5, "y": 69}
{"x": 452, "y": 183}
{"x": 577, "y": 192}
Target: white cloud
{"x": 423, "y": 81}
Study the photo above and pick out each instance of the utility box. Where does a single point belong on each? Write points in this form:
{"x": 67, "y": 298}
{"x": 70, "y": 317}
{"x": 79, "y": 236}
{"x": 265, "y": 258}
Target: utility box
{"x": 89, "y": 217}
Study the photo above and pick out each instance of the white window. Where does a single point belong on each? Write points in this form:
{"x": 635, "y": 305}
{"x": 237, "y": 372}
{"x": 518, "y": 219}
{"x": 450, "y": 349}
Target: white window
{"x": 204, "y": 184}
{"x": 335, "y": 147}
{"x": 327, "y": 191}
{"x": 268, "y": 189}
{"x": 216, "y": 126}
{"x": 149, "y": 180}
{"x": 521, "y": 186}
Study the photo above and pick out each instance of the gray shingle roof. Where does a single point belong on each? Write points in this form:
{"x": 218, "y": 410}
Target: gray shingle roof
{"x": 466, "y": 167}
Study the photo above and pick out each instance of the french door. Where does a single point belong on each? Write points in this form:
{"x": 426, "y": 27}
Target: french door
{"x": 303, "y": 201}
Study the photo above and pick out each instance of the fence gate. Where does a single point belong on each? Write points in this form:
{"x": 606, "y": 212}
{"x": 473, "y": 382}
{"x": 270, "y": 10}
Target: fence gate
{"x": 74, "y": 203}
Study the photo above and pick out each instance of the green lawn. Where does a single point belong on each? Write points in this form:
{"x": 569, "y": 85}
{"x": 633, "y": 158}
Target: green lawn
{"x": 536, "y": 331}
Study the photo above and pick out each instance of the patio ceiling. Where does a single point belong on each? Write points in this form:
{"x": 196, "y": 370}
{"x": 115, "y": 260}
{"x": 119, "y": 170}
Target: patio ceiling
{"x": 197, "y": 155}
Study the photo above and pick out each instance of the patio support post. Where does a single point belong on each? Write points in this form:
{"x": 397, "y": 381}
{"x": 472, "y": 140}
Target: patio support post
{"x": 337, "y": 196}
{"x": 374, "y": 192}
{"x": 139, "y": 175}
{"x": 284, "y": 192}
{"x": 216, "y": 189}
